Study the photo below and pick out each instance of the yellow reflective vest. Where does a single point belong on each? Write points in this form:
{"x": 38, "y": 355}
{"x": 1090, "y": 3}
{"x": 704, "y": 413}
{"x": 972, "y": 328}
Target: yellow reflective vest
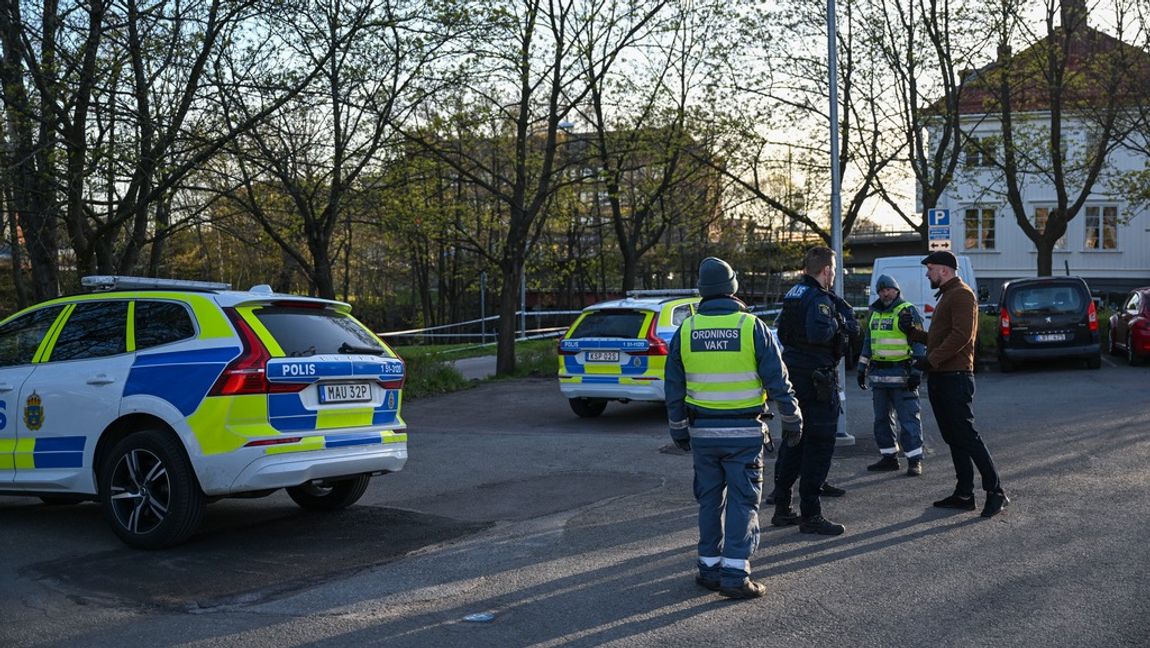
{"x": 887, "y": 342}
{"x": 718, "y": 354}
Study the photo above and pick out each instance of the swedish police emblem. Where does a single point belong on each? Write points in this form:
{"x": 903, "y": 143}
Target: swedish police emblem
{"x": 33, "y": 412}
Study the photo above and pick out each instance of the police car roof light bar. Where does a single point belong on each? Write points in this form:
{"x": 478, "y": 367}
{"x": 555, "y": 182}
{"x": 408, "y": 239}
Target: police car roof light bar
{"x": 119, "y": 282}
{"x": 668, "y": 292}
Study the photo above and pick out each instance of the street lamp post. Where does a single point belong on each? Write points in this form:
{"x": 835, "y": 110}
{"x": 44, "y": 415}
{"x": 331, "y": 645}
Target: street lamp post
{"x": 841, "y": 435}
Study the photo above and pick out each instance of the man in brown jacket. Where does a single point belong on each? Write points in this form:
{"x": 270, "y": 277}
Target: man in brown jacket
{"x": 950, "y": 383}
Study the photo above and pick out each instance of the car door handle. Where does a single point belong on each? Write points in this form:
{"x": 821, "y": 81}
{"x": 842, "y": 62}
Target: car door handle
{"x": 5, "y": 387}
{"x": 101, "y": 379}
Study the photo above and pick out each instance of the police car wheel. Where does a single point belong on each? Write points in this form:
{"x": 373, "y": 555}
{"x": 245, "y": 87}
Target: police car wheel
{"x": 149, "y": 492}
{"x": 588, "y": 407}
{"x": 329, "y": 496}
{"x": 1132, "y": 358}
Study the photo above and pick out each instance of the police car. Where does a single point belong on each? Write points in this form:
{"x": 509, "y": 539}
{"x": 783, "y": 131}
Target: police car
{"x": 617, "y": 350}
{"x": 156, "y": 396}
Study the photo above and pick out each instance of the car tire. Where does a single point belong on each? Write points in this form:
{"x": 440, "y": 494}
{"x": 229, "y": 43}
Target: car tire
{"x": 1131, "y": 357}
{"x": 588, "y": 407}
{"x": 1094, "y": 362}
{"x": 149, "y": 491}
{"x": 329, "y": 496}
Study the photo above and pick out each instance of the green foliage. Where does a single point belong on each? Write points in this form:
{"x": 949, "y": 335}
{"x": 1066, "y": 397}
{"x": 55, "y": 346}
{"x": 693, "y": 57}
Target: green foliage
{"x": 430, "y": 374}
{"x": 536, "y": 358}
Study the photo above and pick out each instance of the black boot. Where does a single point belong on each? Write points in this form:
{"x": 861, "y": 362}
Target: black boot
{"x": 784, "y": 516}
{"x": 822, "y": 526}
{"x": 914, "y": 468}
{"x": 749, "y": 589}
{"x": 888, "y": 463}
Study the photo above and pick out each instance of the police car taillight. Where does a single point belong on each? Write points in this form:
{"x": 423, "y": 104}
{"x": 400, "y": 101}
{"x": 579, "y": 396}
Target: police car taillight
{"x": 655, "y": 344}
{"x": 246, "y": 374}
{"x": 1004, "y": 322}
{"x": 559, "y": 345}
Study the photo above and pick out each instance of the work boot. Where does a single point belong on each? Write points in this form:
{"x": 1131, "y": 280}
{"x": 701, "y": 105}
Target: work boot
{"x": 822, "y": 526}
{"x": 827, "y": 490}
{"x": 784, "y": 517}
{"x": 956, "y": 502}
{"x": 709, "y": 583}
{"x": 888, "y": 463}
{"x": 995, "y": 502}
{"x": 748, "y": 590}
{"x": 914, "y": 468}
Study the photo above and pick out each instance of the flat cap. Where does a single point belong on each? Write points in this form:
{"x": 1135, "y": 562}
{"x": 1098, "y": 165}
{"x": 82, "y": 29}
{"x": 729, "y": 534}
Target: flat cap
{"x": 942, "y": 257}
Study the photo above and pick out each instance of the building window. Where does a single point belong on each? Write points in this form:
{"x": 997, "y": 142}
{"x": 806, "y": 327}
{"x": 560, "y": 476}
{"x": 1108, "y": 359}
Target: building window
{"x": 1041, "y": 215}
{"x": 978, "y": 224}
{"x": 1101, "y": 227}
{"x": 980, "y": 151}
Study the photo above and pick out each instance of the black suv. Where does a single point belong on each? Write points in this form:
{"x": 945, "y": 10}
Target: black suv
{"x": 1044, "y": 318}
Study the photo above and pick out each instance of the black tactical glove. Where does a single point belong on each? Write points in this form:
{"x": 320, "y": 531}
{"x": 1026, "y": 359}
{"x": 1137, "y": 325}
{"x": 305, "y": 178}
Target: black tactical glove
{"x": 792, "y": 432}
{"x": 861, "y": 375}
{"x": 913, "y": 381}
{"x": 905, "y": 321}
{"x": 683, "y": 444}
{"x": 922, "y": 364}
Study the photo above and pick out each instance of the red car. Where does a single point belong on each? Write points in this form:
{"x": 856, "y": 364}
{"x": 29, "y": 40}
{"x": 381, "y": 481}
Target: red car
{"x": 1130, "y": 327}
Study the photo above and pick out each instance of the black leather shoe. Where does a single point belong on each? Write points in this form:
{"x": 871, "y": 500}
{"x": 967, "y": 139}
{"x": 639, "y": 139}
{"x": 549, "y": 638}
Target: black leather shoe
{"x": 787, "y": 517}
{"x": 822, "y": 526}
{"x": 914, "y": 468}
{"x": 831, "y": 491}
{"x": 956, "y": 502}
{"x": 711, "y": 584}
{"x": 888, "y": 463}
{"x": 748, "y": 590}
{"x": 995, "y": 502}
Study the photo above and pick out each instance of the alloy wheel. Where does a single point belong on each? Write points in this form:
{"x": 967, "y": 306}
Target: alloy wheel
{"x": 140, "y": 491}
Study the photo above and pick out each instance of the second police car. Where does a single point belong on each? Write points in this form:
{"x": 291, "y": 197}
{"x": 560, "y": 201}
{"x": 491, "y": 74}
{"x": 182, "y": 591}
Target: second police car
{"x": 157, "y": 396}
{"x": 617, "y": 350}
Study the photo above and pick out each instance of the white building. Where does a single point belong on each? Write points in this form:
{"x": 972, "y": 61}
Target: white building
{"x": 1107, "y": 242}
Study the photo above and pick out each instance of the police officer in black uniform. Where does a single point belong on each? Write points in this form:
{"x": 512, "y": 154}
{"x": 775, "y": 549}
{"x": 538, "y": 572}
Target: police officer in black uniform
{"x": 814, "y": 327}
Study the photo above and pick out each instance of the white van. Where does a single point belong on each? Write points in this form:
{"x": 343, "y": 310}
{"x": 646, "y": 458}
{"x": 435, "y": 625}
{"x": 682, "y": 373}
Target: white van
{"x": 910, "y": 274}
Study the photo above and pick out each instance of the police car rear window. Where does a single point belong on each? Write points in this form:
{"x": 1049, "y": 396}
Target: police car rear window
{"x": 313, "y": 331}
{"x": 1047, "y": 299}
{"x": 611, "y": 324}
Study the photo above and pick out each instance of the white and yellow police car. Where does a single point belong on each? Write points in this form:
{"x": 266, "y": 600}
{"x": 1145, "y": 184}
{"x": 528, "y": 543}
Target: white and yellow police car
{"x": 155, "y": 396}
{"x": 617, "y": 350}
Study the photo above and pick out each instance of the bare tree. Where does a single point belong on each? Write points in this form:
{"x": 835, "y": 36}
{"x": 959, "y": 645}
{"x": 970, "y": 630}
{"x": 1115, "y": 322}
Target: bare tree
{"x": 1070, "y": 77}
{"x": 526, "y": 75}
{"x": 929, "y": 47}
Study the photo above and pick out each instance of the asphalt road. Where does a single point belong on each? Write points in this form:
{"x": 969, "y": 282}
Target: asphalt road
{"x": 582, "y": 532}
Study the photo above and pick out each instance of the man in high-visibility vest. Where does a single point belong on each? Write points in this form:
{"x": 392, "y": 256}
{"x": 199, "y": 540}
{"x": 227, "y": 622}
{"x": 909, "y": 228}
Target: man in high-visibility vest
{"x": 886, "y": 361}
{"x": 721, "y": 364}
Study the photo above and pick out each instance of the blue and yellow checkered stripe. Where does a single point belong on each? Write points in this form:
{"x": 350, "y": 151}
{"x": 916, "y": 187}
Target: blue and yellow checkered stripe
{"x": 311, "y": 443}
{"x": 43, "y": 452}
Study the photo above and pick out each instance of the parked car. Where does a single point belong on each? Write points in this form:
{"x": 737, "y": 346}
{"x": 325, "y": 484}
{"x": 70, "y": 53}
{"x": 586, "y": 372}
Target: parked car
{"x": 1045, "y": 318}
{"x": 617, "y": 350}
{"x": 156, "y": 396}
{"x": 1130, "y": 327}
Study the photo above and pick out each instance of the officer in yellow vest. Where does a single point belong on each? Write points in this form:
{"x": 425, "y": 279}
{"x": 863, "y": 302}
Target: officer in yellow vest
{"x": 721, "y": 363}
{"x": 887, "y": 360}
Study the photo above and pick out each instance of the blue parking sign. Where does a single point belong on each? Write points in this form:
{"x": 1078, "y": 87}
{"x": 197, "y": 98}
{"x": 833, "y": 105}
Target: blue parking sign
{"x": 938, "y": 217}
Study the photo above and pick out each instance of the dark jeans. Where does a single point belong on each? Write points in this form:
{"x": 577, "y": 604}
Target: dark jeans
{"x": 951, "y": 394}
{"x": 810, "y": 461}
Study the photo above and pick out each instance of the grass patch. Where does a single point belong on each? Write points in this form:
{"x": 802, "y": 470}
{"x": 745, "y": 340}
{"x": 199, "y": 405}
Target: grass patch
{"x": 430, "y": 372}
{"x": 429, "y": 375}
